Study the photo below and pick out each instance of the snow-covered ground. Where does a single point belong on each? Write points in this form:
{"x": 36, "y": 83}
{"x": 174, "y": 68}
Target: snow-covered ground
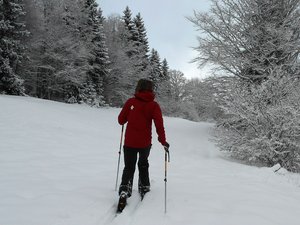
{"x": 58, "y": 166}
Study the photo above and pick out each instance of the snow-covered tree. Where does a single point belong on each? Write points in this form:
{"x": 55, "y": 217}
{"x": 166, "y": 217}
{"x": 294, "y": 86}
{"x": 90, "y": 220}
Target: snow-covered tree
{"x": 165, "y": 69}
{"x": 123, "y": 76}
{"x": 258, "y": 43}
{"x": 164, "y": 87}
{"x": 99, "y": 59}
{"x": 127, "y": 47}
{"x": 12, "y": 31}
{"x": 136, "y": 46}
{"x": 127, "y": 17}
{"x": 177, "y": 83}
{"x": 100, "y": 16}
{"x": 55, "y": 67}
{"x": 131, "y": 35}
{"x": 142, "y": 33}
{"x": 264, "y": 124}
{"x": 179, "y": 104}
{"x": 203, "y": 94}
{"x": 143, "y": 45}
{"x": 248, "y": 38}
{"x": 66, "y": 51}
{"x": 155, "y": 68}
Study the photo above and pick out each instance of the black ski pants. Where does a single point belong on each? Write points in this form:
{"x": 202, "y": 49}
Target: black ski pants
{"x": 130, "y": 159}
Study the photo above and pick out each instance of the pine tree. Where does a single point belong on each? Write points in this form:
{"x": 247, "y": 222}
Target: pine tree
{"x": 12, "y": 30}
{"x": 131, "y": 35}
{"x": 135, "y": 39}
{"x": 128, "y": 39}
{"x": 142, "y": 33}
{"x": 142, "y": 40}
{"x": 165, "y": 88}
{"x": 128, "y": 20}
{"x": 165, "y": 69}
{"x": 100, "y": 16}
{"x": 123, "y": 75}
{"x": 99, "y": 60}
{"x": 57, "y": 57}
{"x": 155, "y": 68}
{"x": 163, "y": 91}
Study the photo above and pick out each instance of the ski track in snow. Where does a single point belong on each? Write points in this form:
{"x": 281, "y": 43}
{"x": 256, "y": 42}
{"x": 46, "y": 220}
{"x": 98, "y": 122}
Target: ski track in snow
{"x": 58, "y": 166}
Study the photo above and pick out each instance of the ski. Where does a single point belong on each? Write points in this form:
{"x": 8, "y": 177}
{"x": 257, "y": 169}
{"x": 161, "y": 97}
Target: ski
{"x": 143, "y": 191}
{"x": 122, "y": 202}
{"x": 142, "y": 195}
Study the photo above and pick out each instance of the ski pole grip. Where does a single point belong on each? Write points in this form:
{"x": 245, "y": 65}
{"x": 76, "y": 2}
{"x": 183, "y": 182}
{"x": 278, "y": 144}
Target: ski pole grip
{"x": 167, "y": 154}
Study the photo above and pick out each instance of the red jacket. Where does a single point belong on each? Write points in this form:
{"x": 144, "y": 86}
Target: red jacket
{"x": 139, "y": 112}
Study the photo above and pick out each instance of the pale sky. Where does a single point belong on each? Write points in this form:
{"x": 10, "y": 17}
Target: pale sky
{"x": 168, "y": 31}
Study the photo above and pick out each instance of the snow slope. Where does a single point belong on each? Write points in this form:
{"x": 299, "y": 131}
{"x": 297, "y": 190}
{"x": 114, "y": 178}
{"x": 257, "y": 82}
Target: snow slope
{"x": 58, "y": 167}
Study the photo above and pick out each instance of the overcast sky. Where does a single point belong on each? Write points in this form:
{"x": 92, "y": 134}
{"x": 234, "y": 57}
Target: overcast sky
{"x": 169, "y": 32}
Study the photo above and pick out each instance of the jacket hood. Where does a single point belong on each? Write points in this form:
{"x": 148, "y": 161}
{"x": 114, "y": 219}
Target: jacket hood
{"x": 146, "y": 96}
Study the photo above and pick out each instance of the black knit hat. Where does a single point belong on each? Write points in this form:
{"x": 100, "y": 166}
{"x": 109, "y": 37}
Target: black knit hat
{"x": 144, "y": 85}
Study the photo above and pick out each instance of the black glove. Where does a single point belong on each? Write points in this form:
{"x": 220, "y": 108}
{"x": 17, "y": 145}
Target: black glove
{"x": 166, "y": 146}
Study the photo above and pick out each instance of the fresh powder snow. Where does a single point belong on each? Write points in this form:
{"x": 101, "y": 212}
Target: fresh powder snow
{"x": 58, "y": 166}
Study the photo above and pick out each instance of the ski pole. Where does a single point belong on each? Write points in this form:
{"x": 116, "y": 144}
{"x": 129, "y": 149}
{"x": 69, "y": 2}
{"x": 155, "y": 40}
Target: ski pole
{"x": 167, "y": 159}
{"x": 120, "y": 149}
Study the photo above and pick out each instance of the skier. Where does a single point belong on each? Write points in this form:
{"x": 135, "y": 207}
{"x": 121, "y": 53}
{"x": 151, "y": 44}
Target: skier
{"x": 138, "y": 112}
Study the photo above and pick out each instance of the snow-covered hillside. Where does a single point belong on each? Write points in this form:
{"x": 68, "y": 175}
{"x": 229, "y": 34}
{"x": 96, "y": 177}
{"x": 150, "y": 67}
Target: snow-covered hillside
{"x": 58, "y": 166}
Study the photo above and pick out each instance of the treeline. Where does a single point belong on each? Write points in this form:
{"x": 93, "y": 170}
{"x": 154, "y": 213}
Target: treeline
{"x": 66, "y": 50}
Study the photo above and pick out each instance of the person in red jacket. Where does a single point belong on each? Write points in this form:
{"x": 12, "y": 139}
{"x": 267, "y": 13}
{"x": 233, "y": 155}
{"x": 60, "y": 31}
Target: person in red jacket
{"x": 139, "y": 112}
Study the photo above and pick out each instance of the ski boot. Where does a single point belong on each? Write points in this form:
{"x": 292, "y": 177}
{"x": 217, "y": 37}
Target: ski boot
{"x": 143, "y": 190}
{"x": 122, "y": 201}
